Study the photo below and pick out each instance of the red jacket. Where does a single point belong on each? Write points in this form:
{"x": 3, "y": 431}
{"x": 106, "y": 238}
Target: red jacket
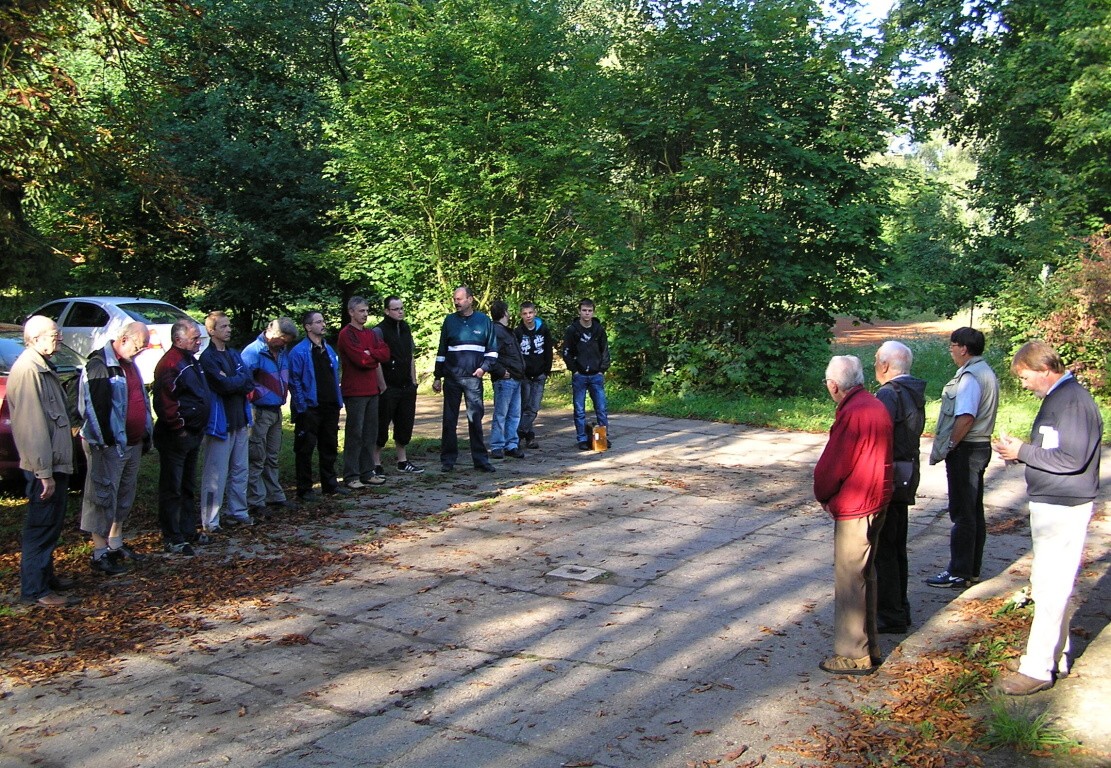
{"x": 853, "y": 478}
{"x": 360, "y": 352}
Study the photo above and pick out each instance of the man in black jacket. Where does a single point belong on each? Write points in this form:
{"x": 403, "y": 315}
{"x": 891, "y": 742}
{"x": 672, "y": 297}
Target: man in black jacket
{"x": 587, "y": 355}
{"x": 904, "y": 396}
{"x": 398, "y": 401}
{"x": 1062, "y": 480}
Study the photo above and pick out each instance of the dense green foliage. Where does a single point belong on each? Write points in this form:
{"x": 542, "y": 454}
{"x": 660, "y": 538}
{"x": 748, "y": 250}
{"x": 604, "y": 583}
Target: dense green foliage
{"x": 712, "y": 173}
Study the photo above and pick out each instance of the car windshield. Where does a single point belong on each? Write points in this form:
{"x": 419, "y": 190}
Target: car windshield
{"x": 11, "y": 346}
{"x": 153, "y": 313}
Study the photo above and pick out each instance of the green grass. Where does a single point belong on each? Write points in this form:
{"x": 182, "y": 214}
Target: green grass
{"x": 814, "y": 412}
{"x": 1015, "y": 728}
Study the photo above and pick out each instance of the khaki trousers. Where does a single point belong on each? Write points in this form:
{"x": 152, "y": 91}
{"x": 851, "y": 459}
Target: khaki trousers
{"x": 854, "y": 586}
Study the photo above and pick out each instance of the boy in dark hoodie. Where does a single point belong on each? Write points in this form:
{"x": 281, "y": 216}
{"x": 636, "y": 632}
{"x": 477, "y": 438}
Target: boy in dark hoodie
{"x": 905, "y": 399}
{"x": 587, "y": 355}
{"x": 535, "y": 341}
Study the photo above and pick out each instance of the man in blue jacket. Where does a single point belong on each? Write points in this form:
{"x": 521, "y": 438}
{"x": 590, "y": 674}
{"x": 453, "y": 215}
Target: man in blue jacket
{"x": 1062, "y": 480}
{"x": 267, "y": 360}
{"x": 225, "y": 441}
{"x": 315, "y": 400}
{"x": 468, "y": 347}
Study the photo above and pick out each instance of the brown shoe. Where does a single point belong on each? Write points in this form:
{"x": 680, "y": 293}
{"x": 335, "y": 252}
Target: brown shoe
{"x": 1018, "y": 684}
{"x": 842, "y": 665}
{"x": 49, "y": 600}
{"x": 1011, "y": 665}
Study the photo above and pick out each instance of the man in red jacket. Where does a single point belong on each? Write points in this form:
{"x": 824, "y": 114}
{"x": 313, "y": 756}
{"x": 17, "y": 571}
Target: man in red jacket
{"x": 853, "y": 482}
{"x": 360, "y": 352}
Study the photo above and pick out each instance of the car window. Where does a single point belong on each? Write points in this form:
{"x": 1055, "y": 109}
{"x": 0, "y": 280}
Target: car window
{"x": 153, "y": 313}
{"x": 54, "y": 310}
{"x": 86, "y": 315}
{"x": 11, "y": 347}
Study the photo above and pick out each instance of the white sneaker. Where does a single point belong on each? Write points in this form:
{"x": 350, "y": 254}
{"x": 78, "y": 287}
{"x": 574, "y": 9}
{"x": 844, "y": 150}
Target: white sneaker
{"x": 355, "y": 485}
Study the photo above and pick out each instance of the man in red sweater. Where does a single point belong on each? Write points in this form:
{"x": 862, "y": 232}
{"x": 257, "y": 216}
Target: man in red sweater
{"x": 853, "y": 482}
{"x": 360, "y": 351}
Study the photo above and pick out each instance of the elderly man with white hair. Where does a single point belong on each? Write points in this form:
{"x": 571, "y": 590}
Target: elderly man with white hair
{"x": 905, "y": 399}
{"x": 41, "y": 429}
{"x": 853, "y": 480}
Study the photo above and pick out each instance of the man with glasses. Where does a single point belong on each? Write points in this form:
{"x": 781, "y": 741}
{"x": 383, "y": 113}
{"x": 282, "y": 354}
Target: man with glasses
{"x": 315, "y": 400}
{"x": 398, "y": 402}
{"x": 182, "y": 403}
{"x": 41, "y": 430}
{"x": 963, "y": 441}
{"x": 116, "y": 432}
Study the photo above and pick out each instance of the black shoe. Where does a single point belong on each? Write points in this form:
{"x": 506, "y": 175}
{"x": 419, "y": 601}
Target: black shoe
{"x": 308, "y": 497}
{"x": 497, "y": 454}
{"x": 485, "y": 467}
{"x": 108, "y": 565}
{"x": 277, "y": 504}
{"x": 531, "y": 443}
{"x": 339, "y": 490}
{"x": 380, "y": 471}
{"x": 61, "y": 583}
{"x": 892, "y": 629}
{"x": 447, "y": 467}
{"x": 127, "y": 553}
{"x": 516, "y": 453}
{"x": 407, "y": 467}
{"x": 946, "y": 580}
{"x": 584, "y": 446}
{"x": 184, "y": 548}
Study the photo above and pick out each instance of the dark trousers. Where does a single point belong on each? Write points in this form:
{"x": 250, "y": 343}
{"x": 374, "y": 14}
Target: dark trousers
{"x": 178, "y": 515}
{"x": 469, "y": 388}
{"x": 892, "y": 606}
{"x": 964, "y": 467}
{"x": 316, "y": 429}
{"x": 41, "y": 528}
{"x": 399, "y": 406}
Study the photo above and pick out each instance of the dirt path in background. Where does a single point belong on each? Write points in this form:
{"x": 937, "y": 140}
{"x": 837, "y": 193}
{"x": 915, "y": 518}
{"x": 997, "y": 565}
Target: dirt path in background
{"x": 846, "y": 332}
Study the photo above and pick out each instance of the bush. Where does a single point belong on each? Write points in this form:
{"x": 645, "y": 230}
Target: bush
{"x": 772, "y": 361}
{"x": 1070, "y": 309}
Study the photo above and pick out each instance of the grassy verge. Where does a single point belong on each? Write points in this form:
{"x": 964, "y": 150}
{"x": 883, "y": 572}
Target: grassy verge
{"x": 814, "y": 412}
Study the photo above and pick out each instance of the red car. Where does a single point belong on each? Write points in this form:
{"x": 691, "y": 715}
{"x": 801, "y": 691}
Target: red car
{"x": 69, "y": 365}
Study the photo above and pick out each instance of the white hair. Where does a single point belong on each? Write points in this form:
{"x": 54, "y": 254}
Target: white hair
{"x": 845, "y": 371}
{"x": 897, "y": 355}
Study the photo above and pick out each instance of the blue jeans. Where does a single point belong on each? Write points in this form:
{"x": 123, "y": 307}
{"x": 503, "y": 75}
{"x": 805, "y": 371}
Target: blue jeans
{"x": 595, "y": 384}
{"x": 455, "y": 389}
{"x": 507, "y": 414}
{"x": 532, "y": 392}
{"x": 964, "y": 468}
{"x": 41, "y": 528}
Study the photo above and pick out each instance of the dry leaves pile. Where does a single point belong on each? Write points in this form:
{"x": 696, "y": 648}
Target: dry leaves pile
{"x": 923, "y": 720}
{"x": 163, "y": 598}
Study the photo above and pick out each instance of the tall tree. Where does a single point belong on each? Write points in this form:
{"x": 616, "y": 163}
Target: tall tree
{"x": 1026, "y": 85}
{"x": 468, "y": 138}
{"x": 753, "y": 214}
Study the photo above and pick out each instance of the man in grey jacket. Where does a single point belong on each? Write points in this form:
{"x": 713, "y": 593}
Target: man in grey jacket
{"x": 116, "y": 432}
{"x": 1062, "y": 480}
{"x": 41, "y": 429}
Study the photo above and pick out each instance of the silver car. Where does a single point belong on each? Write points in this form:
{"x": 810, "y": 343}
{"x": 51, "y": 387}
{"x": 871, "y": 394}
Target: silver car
{"x": 88, "y": 323}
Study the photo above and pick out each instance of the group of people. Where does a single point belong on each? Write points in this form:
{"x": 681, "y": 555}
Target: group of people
{"x": 519, "y": 362}
{"x": 226, "y": 406}
{"x": 868, "y": 475}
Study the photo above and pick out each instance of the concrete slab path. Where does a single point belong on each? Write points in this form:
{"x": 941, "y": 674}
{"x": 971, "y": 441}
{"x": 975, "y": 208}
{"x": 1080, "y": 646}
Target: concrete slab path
{"x": 445, "y": 643}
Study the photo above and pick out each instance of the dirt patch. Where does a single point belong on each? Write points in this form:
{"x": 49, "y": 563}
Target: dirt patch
{"x": 848, "y": 330}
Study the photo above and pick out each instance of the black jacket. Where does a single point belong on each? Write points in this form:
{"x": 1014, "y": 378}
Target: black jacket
{"x": 586, "y": 350}
{"x": 509, "y": 355}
